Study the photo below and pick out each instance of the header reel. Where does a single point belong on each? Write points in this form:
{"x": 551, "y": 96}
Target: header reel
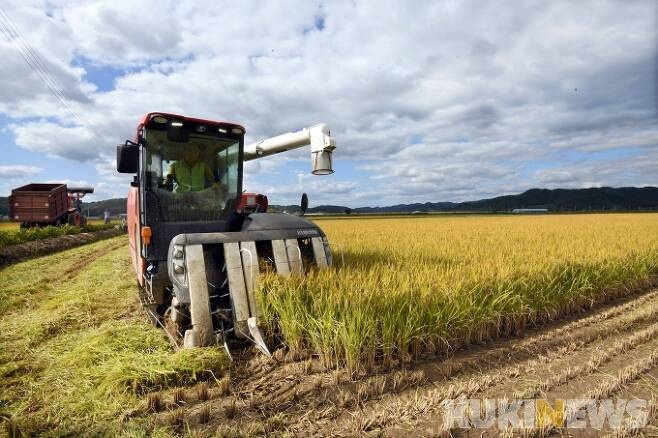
{"x": 215, "y": 276}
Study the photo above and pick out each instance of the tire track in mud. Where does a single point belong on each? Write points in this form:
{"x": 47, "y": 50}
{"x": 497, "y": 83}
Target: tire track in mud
{"x": 563, "y": 368}
{"x": 582, "y": 361}
{"x": 644, "y": 386}
{"x": 611, "y": 383}
{"x": 299, "y": 398}
{"x": 76, "y": 268}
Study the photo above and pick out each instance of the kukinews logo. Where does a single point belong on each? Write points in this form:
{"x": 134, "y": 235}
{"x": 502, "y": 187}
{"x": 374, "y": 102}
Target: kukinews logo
{"x": 542, "y": 414}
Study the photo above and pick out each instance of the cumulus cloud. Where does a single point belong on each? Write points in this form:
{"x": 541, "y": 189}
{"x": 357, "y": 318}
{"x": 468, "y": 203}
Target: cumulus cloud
{"x": 319, "y": 190}
{"x": 76, "y": 142}
{"x": 18, "y": 171}
{"x": 631, "y": 171}
{"x": 432, "y": 100}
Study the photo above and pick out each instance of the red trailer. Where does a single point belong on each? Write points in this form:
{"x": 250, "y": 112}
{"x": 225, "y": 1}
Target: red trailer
{"x": 40, "y": 204}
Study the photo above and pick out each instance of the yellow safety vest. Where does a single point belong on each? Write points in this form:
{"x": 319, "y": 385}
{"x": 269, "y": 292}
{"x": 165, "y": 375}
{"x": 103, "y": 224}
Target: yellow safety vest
{"x": 189, "y": 179}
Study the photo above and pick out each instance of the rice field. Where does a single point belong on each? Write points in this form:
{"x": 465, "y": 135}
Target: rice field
{"x": 8, "y": 226}
{"x": 401, "y": 288}
{"x": 79, "y": 358}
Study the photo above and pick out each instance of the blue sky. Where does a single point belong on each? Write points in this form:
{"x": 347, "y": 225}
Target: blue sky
{"x": 102, "y": 76}
{"x": 472, "y": 100}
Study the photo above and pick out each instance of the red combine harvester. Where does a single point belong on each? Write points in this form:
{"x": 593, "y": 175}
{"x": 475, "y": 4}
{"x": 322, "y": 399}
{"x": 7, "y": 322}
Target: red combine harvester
{"x": 197, "y": 241}
{"x": 40, "y": 204}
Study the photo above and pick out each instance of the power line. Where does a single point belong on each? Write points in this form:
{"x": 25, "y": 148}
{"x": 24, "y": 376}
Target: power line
{"x": 34, "y": 61}
{"x": 25, "y": 49}
{"x": 29, "y": 55}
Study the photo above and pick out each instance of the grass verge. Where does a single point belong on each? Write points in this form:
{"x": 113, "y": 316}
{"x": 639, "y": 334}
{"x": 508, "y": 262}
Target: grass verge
{"x": 78, "y": 358}
{"x": 15, "y": 237}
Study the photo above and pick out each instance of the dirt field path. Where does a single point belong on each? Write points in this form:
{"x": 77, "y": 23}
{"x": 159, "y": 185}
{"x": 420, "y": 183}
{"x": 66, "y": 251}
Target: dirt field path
{"x": 609, "y": 352}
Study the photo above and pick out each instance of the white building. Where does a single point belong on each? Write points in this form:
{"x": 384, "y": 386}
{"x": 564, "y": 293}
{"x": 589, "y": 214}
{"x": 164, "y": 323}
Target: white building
{"x": 530, "y": 210}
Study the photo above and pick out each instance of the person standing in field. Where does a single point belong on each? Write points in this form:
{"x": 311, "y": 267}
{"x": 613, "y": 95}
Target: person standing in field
{"x": 106, "y": 216}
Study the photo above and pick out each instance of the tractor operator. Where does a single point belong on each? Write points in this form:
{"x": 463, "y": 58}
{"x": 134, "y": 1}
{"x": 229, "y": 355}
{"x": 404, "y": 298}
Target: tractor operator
{"x": 190, "y": 173}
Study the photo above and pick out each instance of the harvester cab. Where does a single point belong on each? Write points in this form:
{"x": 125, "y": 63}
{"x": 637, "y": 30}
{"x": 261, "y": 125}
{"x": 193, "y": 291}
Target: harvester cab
{"x": 198, "y": 243}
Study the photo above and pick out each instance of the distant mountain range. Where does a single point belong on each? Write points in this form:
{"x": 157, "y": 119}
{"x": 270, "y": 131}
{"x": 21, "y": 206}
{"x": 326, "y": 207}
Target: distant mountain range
{"x": 593, "y": 199}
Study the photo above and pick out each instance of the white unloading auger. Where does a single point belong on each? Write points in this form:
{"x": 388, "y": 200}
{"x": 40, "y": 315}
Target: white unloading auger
{"x": 288, "y": 241}
{"x": 318, "y": 136}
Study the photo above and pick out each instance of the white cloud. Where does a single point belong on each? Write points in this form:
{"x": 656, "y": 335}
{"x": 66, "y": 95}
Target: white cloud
{"x": 18, "y": 171}
{"x": 76, "y": 142}
{"x": 320, "y": 190}
{"x": 629, "y": 171}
